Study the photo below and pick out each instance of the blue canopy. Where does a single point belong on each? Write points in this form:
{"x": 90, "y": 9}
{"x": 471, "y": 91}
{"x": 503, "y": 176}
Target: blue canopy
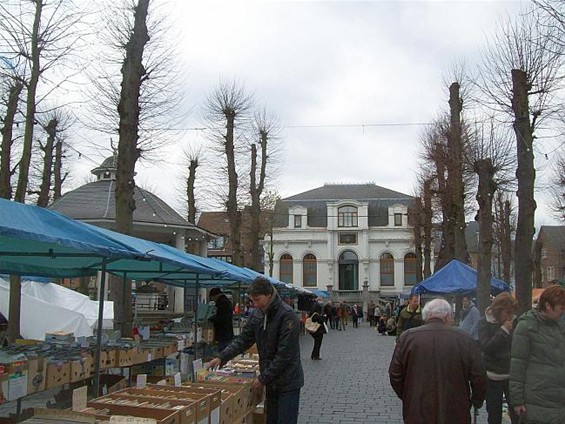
{"x": 321, "y": 293}
{"x": 456, "y": 278}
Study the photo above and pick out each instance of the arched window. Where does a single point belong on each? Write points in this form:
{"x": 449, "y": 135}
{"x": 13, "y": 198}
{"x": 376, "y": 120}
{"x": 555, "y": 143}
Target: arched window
{"x": 309, "y": 271}
{"x": 286, "y": 268}
{"x": 387, "y": 269}
{"x": 347, "y": 216}
{"x": 410, "y": 267}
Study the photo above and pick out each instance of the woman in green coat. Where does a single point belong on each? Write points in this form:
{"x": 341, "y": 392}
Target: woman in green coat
{"x": 537, "y": 366}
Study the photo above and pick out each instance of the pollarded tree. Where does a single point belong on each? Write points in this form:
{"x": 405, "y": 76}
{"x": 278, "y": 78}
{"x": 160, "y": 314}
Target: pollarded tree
{"x": 491, "y": 159}
{"x": 263, "y": 169}
{"x": 227, "y": 111}
{"x": 519, "y": 75}
{"x": 557, "y": 187}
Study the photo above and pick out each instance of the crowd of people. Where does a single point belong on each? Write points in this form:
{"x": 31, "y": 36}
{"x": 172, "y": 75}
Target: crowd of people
{"x": 492, "y": 358}
{"x": 440, "y": 371}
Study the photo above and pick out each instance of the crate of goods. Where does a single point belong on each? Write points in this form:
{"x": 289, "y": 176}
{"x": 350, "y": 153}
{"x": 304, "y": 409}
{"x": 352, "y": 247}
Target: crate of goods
{"x": 124, "y": 357}
{"x": 237, "y": 399}
{"x": 223, "y": 375}
{"x": 209, "y": 399}
{"x": 139, "y": 355}
{"x": 37, "y": 374}
{"x": 187, "y": 408}
{"x": 134, "y": 409}
{"x": 58, "y": 372}
{"x": 13, "y": 378}
{"x": 82, "y": 368}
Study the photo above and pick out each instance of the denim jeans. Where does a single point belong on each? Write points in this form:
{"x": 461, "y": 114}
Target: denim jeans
{"x": 282, "y": 407}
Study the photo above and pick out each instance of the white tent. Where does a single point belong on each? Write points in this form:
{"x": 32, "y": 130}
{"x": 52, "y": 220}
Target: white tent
{"x": 38, "y": 317}
{"x": 71, "y": 300}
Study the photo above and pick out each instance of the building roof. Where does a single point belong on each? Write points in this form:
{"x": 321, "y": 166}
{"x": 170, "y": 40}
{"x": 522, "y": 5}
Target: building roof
{"x": 379, "y": 199}
{"x": 215, "y": 222}
{"x": 361, "y": 192}
{"x": 553, "y": 236}
{"x": 96, "y": 202}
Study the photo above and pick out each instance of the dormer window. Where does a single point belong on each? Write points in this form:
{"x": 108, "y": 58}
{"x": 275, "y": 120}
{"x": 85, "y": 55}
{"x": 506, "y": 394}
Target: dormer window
{"x": 398, "y": 220}
{"x": 297, "y": 221}
{"x": 347, "y": 216}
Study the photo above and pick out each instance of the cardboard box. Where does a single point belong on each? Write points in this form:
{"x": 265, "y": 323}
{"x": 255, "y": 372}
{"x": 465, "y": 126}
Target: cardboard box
{"x": 161, "y": 416}
{"x": 37, "y": 374}
{"x": 208, "y": 400}
{"x": 82, "y": 369}
{"x": 124, "y": 357}
{"x": 185, "y": 408}
{"x": 58, "y": 373}
{"x": 242, "y": 396}
{"x": 138, "y": 355}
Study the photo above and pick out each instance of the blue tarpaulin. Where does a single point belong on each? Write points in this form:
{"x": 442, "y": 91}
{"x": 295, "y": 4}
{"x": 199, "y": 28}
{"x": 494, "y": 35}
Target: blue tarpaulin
{"x": 456, "y": 278}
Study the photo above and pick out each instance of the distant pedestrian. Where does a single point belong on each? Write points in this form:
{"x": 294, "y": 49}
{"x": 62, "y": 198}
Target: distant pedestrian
{"x": 381, "y": 326}
{"x": 378, "y": 313}
{"x": 409, "y": 316}
{"x": 391, "y": 327}
{"x": 537, "y": 364}
{"x": 318, "y": 317}
{"x": 223, "y": 320}
{"x": 437, "y": 371}
{"x": 356, "y": 315}
{"x": 329, "y": 312}
{"x": 495, "y": 337}
{"x": 470, "y": 317}
{"x": 371, "y": 313}
{"x": 343, "y": 312}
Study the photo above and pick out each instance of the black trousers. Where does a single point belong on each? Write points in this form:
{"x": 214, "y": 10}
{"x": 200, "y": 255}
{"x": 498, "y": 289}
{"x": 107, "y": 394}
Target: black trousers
{"x": 317, "y": 345}
{"x": 495, "y": 392}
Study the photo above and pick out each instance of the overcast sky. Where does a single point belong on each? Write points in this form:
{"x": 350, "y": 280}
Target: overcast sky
{"x": 350, "y": 82}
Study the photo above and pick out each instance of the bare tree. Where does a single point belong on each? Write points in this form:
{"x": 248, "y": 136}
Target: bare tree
{"x": 491, "y": 158}
{"x": 557, "y": 187}
{"x": 227, "y": 110}
{"x": 266, "y": 130}
{"x": 504, "y": 227}
{"x": 36, "y": 37}
{"x": 519, "y": 75}
{"x": 14, "y": 90}
{"x": 194, "y": 160}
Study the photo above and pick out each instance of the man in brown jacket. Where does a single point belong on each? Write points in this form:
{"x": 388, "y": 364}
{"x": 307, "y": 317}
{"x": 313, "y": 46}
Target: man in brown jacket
{"x": 437, "y": 371}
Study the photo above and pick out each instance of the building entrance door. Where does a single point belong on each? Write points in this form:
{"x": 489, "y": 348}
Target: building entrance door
{"x": 348, "y": 271}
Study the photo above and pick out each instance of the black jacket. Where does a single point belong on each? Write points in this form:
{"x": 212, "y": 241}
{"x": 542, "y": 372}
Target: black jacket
{"x": 277, "y": 334}
{"x": 223, "y": 320}
{"x": 495, "y": 344}
{"x": 316, "y": 315}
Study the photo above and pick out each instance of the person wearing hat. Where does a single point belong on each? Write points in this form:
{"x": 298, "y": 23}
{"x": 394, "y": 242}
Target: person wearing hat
{"x": 223, "y": 320}
{"x": 275, "y": 328}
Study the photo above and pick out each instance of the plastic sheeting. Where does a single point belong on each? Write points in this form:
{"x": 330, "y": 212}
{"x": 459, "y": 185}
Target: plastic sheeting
{"x": 71, "y": 300}
{"x": 456, "y": 278}
{"x": 38, "y": 317}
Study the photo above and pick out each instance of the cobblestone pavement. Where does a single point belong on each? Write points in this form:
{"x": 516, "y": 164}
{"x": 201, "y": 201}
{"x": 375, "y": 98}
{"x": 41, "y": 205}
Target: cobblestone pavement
{"x": 350, "y": 384}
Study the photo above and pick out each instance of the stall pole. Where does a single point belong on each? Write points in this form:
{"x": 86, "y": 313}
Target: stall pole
{"x": 99, "y": 329}
{"x": 195, "y": 344}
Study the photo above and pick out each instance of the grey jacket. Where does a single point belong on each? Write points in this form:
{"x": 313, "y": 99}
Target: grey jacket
{"x": 537, "y": 368}
{"x": 277, "y": 334}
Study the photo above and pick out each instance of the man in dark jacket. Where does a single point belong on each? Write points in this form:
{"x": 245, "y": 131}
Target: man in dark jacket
{"x": 275, "y": 328}
{"x": 223, "y": 320}
{"x": 437, "y": 371}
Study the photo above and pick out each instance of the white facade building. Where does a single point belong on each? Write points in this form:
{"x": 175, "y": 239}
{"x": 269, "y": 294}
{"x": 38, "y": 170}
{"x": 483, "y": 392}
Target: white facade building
{"x": 345, "y": 236}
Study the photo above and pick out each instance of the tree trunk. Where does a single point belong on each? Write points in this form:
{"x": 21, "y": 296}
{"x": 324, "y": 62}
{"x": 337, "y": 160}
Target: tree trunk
{"x": 23, "y": 168}
{"x": 487, "y": 187}
{"x": 447, "y": 245}
{"x": 232, "y": 209}
{"x": 58, "y": 178}
{"x": 14, "y": 308}
{"x": 256, "y": 190}
{"x": 133, "y": 73}
{"x": 7, "y": 140}
{"x": 525, "y": 175}
{"x": 417, "y": 216}
{"x": 428, "y": 228}
{"x": 44, "y": 188}
{"x": 455, "y": 175}
{"x": 191, "y": 201}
